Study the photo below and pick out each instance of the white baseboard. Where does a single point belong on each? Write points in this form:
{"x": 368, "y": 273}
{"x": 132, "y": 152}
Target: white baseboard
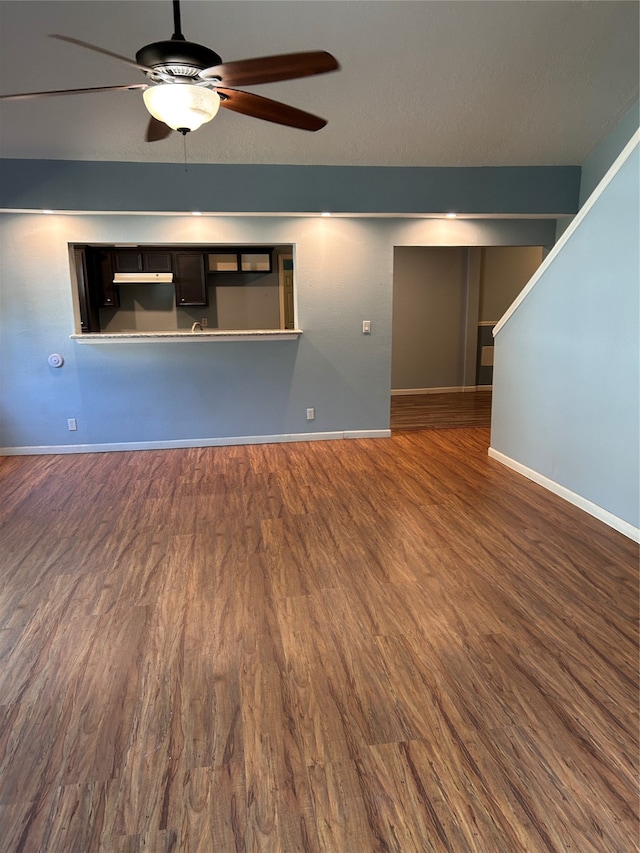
{"x": 42, "y": 450}
{"x": 453, "y": 389}
{"x": 588, "y": 506}
{"x": 366, "y": 433}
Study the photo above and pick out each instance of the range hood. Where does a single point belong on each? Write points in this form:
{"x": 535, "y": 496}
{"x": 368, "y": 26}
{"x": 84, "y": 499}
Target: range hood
{"x": 143, "y": 278}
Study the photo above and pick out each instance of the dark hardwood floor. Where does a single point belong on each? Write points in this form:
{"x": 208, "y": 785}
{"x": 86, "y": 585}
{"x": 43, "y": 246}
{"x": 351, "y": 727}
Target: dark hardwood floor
{"x": 441, "y": 410}
{"x": 341, "y": 647}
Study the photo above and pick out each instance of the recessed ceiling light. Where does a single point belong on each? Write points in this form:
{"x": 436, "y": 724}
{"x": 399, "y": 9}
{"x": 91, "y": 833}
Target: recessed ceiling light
{"x": 47, "y": 211}
{"x": 325, "y": 213}
{"x": 451, "y": 215}
{"x": 196, "y": 213}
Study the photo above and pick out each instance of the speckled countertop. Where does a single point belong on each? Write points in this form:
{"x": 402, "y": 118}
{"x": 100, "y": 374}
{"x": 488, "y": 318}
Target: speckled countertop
{"x": 187, "y": 336}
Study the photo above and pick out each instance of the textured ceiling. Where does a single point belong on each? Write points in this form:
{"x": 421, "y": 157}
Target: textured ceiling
{"x": 422, "y": 83}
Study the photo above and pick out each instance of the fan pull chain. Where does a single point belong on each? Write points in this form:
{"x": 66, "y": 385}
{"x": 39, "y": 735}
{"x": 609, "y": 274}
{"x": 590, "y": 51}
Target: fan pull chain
{"x": 184, "y": 146}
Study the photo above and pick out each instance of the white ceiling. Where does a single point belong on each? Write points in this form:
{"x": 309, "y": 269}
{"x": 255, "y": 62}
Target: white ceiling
{"x": 440, "y": 83}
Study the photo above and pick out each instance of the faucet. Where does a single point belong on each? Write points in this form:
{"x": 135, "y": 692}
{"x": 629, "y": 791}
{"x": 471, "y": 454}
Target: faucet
{"x": 197, "y": 327}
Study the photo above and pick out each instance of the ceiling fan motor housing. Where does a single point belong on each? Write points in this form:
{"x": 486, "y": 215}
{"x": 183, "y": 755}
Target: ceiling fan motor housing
{"x": 184, "y": 58}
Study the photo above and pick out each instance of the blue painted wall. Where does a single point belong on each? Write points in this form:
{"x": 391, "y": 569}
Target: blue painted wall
{"x": 189, "y": 392}
{"x": 566, "y": 376}
{"x": 73, "y": 185}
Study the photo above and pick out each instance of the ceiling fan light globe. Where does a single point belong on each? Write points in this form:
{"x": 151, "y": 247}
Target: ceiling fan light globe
{"x": 181, "y": 105}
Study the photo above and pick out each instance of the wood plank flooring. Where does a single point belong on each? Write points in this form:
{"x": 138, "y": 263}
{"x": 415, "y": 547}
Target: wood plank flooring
{"x": 441, "y": 410}
{"x": 339, "y": 647}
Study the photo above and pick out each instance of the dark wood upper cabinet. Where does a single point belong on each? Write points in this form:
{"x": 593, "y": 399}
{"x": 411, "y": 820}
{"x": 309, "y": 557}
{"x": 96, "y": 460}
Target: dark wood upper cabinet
{"x": 130, "y": 260}
{"x": 157, "y": 261}
{"x": 190, "y": 279}
{"x": 100, "y": 268}
{"x": 127, "y": 261}
{"x": 89, "y": 315}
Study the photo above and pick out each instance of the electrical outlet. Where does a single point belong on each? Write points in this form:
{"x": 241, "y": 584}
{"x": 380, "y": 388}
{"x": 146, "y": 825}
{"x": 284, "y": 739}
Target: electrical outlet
{"x": 72, "y": 423}
{"x": 311, "y": 413}
{"x": 204, "y": 322}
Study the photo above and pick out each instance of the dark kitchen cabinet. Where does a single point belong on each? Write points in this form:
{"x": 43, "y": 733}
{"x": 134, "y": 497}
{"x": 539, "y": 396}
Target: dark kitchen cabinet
{"x": 127, "y": 260}
{"x": 89, "y": 315}
{"x": 190, "y": 279}
{"x": 100, "y": 271}
{"x": 109, "y": 291}
{"x": 157, "y": 261}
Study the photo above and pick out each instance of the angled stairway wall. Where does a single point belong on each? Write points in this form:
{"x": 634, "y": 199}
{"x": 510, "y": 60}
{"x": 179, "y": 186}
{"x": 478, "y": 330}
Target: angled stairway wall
{"x": 567, "y": 374}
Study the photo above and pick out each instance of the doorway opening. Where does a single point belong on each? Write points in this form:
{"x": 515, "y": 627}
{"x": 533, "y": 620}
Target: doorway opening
{"x": 446, "y": 301}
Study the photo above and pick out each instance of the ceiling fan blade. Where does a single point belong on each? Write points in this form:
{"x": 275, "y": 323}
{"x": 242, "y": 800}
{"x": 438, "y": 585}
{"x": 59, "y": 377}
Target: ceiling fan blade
{"x": 92, "y": 90}
{"x": 93, "y": 47}
{"x": 269, "y": 69}
{"x": 156, "y": 130}
{"x": 264, "y": 108}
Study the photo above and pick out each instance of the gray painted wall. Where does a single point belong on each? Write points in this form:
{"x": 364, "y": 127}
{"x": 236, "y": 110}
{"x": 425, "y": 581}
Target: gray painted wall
{"x": 439, "y": 297}
{"x": 236, "y": 301}
{"x": 505, "y": 271}
{"x": 429, "y": 309}
{"x": 253, "y": 305}
{"x": 567, "y": 371}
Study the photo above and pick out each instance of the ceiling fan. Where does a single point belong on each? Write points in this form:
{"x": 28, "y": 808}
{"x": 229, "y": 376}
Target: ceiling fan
{"x": 187, "y": 83}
